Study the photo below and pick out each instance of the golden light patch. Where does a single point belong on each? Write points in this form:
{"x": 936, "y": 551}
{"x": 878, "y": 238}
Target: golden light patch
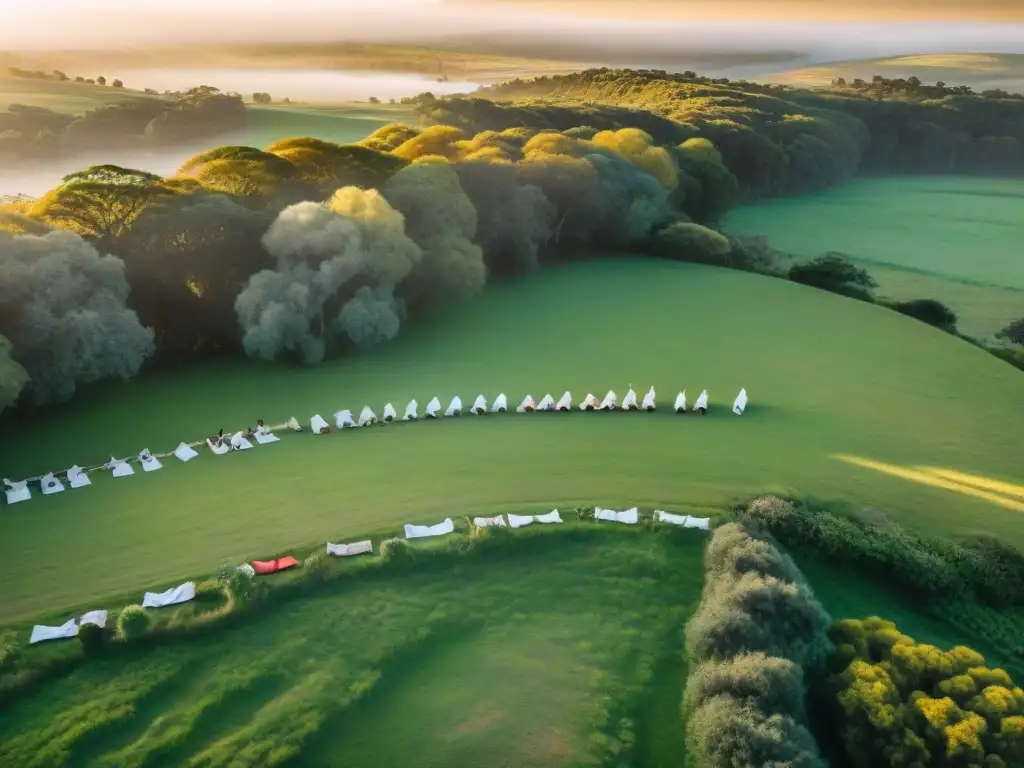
{"x": 978, "y": 481}
{"x": 941, "y": 478}
{"x": 970, "y": 61}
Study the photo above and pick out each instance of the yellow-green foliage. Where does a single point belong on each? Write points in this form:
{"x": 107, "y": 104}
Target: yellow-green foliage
{"x": 903, "y": 703}
{"x": 638, "y": 147}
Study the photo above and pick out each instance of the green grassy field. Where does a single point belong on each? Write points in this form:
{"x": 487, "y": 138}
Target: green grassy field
{"x": 981, "y": 71}
{"x": 66, "y": 97}
{"x": 952, "y": 239}
{"x": 826, "y": 376}
{"x": 343, "y": 123}
{"x": 518, "y": 661}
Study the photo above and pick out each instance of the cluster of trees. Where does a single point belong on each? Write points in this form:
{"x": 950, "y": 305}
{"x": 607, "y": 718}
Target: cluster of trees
{"x": 59, "y": 77}
{"x": 33, "y": 133}
{"x": 879, "y": 87}
{"x": 757, "y": 630}
{"x": 307, "y": 249}
{"x": 779, "y": 140}
{"x": 903, "y": 703}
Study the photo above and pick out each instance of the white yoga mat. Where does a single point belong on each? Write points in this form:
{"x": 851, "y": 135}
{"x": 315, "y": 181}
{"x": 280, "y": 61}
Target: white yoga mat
{"x": 16, "y": 491}
{"x": 180, "y": 594}
{"x": 628, "y": 516}
{"x": 50, "y": 484}
{"x": 348, "y": 550}
{"x": 488, "y": 522}
{"x": 42, "y": 633}
{"x": 423, "y": 531}
{"x": 185, "y": 452}
{"x": 77, "y": 477}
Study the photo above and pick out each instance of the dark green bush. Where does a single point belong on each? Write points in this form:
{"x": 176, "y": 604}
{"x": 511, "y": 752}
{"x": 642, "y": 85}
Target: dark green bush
{"x": 10, "y": 651}
{"x": 767, "y": 682}
{"x": 929, "y": 311}
{"x": 834, "y": 272}
{"x": 396, "y": 550}
{"x": 982, "y": 569}
{"x": 133, "y": 622}
{"x": 210, "y": 592}
{"x": 92, "y": 638}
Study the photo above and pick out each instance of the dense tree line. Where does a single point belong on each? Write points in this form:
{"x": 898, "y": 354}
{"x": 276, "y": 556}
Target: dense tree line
{"x": 306, "y": 249}
{"x": 758, "y": 629}
{"x": 902, "y": 703}
{"x": 36, "y": 133}
{"x": 776, "y": 139}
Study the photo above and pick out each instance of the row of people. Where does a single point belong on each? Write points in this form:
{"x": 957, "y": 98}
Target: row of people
{"x": 344, "y": 419}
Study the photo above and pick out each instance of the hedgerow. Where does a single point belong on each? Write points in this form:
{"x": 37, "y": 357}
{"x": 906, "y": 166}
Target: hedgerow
{"x": 979, "y": 568}
{"x": 756, "y": 631}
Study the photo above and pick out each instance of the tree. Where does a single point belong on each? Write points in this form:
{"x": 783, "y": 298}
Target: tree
{"x": 101, "y": 80}
{"x": 244, "y": 172}
{"x": 261, "y": 98}
{"x": 63, "y": 307}
{"x": 331, "y": 166}
{"x": 102, "y": 200}
{"x": 117, "y": 84}
{"x": 833, "y": 272}
{"x": 1014, "y": 332}
{"x": 687, "y": 241}
{"x": 929, "y": 311}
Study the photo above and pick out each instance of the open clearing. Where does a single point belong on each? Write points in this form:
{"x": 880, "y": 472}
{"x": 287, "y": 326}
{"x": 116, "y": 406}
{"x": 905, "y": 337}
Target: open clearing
{"x": 981, "y": 71}
{"x": 488, "y": 662}
{"x": 66, "y": 97}
{"x": 342, "y": 124}
{"x": 827, "y": 376}
{"x": 957, "y": 240}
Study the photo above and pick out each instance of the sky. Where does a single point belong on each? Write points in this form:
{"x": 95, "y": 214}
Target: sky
{"x": 820, "y": 25}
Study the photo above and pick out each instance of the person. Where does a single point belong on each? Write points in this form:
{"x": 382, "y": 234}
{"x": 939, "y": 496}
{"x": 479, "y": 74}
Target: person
{"x": 260, "y": 430}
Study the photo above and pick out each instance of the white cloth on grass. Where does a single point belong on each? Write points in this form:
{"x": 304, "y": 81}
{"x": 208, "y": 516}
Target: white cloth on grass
{"x": 120, "y": 467}
{"x": 550, "y": 517}
{"x": 218, "y": 448}
{"x": 648, "y": 404}
{"x": 680, "y": 404}
{"x": 318, "y": 425}
{"x": 701, "y": 401}
{"x": 590, "y": 403}
{"x": 77, "y": 478}
{"x": 518, "y": 521}
{"x": 454, "y": 407}
{"x": 629, "y": 516}
{"x": 434, "y": 408}
{"x": 16, "y": 491}
{"x": 412, "y": 411}
{"x": 185, "y": 452}
{"x": 740, "y": 404}
{"x": 390, "y": 414}
{"x": 367, "y": 416}
{"x": 343, "y": 419}
{"x": 180, "y": 594}
{"x": 264, "y": 436}
{"x": 526, "y": 405}
{"x": 40, "y": 633}
{"x": 610, "y": 402}
{"x": 704, "y": 523}
{"x": 500, "y": 404}
{"x": 488, "y": 522}
{"x": 293, "y": 424}
{"x": 99, "y": 618}
{"x": 149, "y": 461}
{"x": 565, "y": 404}
{"x": 422, "y": 531}
{"x": 547, "y": 403}
{"x": 239, "y": 443}
{"x": 480, "y": 405}
{"x": 667, "y": 517}
{"x": 629, "y": 401}
{"x": 50, "y": 484}
{"x": 348, "y": 550}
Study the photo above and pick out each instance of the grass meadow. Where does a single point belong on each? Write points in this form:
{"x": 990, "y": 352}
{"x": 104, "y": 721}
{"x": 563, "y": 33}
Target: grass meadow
{"x": 957, "y": 240}
{"x": 553, "y": 656}
{"x": 849, "y": 402}
{"x": 66, "y": 97}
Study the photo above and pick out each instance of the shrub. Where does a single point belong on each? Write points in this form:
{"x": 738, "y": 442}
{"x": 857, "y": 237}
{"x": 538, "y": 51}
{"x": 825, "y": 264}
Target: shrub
{"x": 737, "y": 550}
{"x": 210, "y": 592}
{"x": 133, "y": 622}
{"x": 10, "y": 651}
{"x": 317, "y": 567}
{"x": 898, "y": 702}
{"x": 92, "y": 638}
{"x": 726, "y": 732}
{"x": 243, "y": 587}
{"x": 929, "y": 311}
{"x": 766, "y": 682}
{"x": 833, "y": 272}
{"x": 396, "y": 551}
{"x": 687, "y": 241}
{"x": 1014, "y": 332}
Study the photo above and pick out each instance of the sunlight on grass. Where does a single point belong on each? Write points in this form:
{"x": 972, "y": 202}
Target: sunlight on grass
{"x": 949, "y": 480}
